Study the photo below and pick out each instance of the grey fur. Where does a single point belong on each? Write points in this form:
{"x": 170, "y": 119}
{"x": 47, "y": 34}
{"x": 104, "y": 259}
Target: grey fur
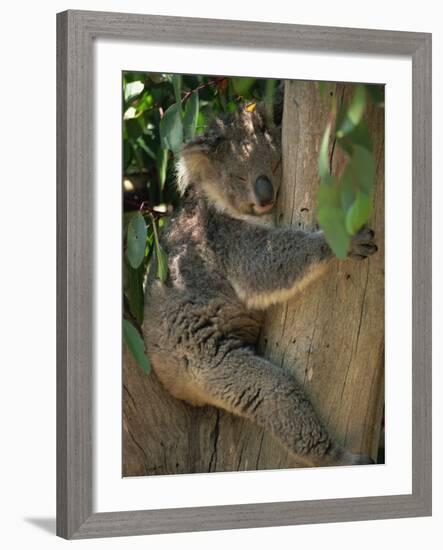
{"x": 227, "y": 263}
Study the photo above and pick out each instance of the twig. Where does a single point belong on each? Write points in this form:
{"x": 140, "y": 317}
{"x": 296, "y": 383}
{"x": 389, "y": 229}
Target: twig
{"x": 202, "y": 86}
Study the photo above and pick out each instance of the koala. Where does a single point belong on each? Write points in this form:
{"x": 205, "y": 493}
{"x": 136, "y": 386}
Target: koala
{"x": 228, "y": 262}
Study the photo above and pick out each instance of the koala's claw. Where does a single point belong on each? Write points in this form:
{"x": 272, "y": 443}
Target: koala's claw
{"x": 362, "y": 244}
{"x": 364, "y": 235}
{"x": 340, "y": 457}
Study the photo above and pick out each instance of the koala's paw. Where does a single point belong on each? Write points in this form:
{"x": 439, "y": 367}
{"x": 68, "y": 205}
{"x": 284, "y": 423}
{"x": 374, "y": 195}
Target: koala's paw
{"x": 362, "y": 245}
{"x": 337, "y": 456}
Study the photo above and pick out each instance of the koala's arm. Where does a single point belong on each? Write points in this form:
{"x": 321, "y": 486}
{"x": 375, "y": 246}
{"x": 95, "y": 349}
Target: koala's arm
{"x": 269, "y": 265}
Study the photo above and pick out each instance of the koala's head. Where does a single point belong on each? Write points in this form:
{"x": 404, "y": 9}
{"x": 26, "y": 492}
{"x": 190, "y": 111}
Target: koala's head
{"x": 237, "y": 163}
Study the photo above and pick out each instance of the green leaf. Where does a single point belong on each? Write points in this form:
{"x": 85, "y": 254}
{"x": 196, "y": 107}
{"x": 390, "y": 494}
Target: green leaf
{"x": 136, "y": 240}
{"x": 162, "y": 263}
{"x": 130, "y": 113}
{"x": 135, "y": 344}
{"x": 358, "y": 136}
{"x": 231, "y": 107}
{"x": 142, "y": 144}
{"x": 191, "y": 116}
{"x": 242, "y": 86}
{"x": 357, "y": 107}
{"x": 132, "y": 76}
{"x": 347, "y": 192}
{"x": 332, "y": 218}
{"x": 145, "y": 102}
{"x": 177, "y": 83}
{"x": 353, "y": 114}
{"x": 328, "y": 195}
{"x": 363, "y": 168}
{"x": 162, "y": 165}
{"x": 133, "y": 89}
{"x": 323, "y": 157}
{"x": 171, "y": 128}
{"x": 358, "y": 214}
{"x": 377, "y": 93}
{"x": 201, "y": 122}
{"x": 332, "y": 221}
{"x": 134, "y": 292}
{"x": 160, "y": 254}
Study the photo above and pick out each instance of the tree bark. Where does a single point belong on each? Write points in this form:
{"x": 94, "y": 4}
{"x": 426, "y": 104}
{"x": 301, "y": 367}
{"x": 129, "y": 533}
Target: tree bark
{"x": 331, "y": 336}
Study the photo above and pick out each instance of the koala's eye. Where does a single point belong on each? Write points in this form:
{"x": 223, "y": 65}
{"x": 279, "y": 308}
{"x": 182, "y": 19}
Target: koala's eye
{"x": 276, "y": 166}
{"x": 241, "y": 178}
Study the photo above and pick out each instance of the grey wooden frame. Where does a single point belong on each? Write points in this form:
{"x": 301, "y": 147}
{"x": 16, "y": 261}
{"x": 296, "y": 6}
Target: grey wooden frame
{"x": 76, "y": 31}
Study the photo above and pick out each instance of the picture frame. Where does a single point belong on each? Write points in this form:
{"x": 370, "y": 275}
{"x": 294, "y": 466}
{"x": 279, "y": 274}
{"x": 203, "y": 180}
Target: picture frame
{"x": 76, "y": 32}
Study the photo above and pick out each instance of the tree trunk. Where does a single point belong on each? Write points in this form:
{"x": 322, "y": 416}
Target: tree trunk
{"x": 332, "y": 336}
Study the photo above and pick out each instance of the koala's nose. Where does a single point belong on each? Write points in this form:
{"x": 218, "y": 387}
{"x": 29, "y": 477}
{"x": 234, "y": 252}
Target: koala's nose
{"x": 264, "y": 191}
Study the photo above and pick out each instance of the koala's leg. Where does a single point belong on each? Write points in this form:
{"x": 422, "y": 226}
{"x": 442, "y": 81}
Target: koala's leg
{"x": 251, "y": 386}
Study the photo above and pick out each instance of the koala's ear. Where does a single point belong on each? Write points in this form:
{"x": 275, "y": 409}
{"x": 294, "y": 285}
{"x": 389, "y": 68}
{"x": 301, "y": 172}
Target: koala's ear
{"x": 195, "y": 163}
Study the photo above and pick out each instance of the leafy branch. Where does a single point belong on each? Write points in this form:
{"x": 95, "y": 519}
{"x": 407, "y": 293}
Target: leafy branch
{"x": 344, "y": 203}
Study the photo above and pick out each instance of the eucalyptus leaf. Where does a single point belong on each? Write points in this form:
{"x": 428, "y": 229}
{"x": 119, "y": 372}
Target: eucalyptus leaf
{"x": 331, "y": 218}
{"x": 353, "y": 113}
{"x": 136, "y": 240}
{"x": 132, "y": 90}
{"x": 347, "y": 192}
{"x": 377, "y": 93}
{"x": 242, "y": 86}
{"x": 162, "y": 263}
{"x": 328, "y": 195}
{"x": 177, "y": 83}
{"x": 323, "y": 158}
{"x": 162, "y": 165}
{"x": 160, "y": 254}
{"x": 357, "y": 106}
{"x": 332, "y": 221}
{"x": 361, "y": 169}
{"x": 134, "y": 292}
{"x": 358, "y": 136}
{"x": 358, "y": 214}
{"x": 201, "y": 121}
{"x": 171, "y": 128}
{"x": 135, "y": 344}
{"x": 145, "y": 102}
{"x": 131, "y": 112}
{"x": 191, "y": 116}
{"x": 231, "y": 107}
{"x": 141, "y": 142}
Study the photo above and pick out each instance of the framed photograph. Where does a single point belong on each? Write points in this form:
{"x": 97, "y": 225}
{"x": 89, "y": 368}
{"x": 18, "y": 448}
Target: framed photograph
{"x": 244, "y": 274}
